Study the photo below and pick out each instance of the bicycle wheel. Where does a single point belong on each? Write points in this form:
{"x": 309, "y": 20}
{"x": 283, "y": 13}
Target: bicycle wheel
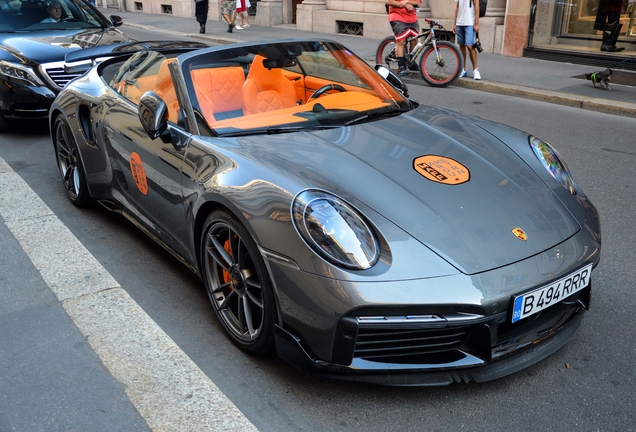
{"x": 443, "y": 70}
{"x": 385, "y": 55}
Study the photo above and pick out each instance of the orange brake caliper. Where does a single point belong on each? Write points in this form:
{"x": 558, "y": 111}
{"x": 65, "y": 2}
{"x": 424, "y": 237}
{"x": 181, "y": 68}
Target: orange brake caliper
{"x": 226, "y": 274}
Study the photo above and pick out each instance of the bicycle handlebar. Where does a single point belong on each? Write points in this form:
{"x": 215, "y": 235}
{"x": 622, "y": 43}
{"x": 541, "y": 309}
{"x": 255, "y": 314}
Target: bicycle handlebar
{"x": 433, "y": 23}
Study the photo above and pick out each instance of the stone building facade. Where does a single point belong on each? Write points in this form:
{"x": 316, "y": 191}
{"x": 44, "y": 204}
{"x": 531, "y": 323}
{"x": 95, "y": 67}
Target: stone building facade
{"x": 508, "y": 27}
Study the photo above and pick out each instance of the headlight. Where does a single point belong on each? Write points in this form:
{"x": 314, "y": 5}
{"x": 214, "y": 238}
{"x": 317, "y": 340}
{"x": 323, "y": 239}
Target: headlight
{"x": 334, "y": 230}
{"x": 552, "y": 162}
{"x": 19, "y": 72}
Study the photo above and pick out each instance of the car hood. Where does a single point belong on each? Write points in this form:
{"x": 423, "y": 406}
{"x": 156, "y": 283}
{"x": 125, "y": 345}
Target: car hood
{"x": 44, "y": 47}
{"x": 441, "y": 178}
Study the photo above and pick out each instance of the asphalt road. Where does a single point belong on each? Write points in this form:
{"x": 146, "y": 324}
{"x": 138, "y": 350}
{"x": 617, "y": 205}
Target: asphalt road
{"x": 588, "y": 385}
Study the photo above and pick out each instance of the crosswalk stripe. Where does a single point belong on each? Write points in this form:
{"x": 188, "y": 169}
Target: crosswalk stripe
{"x": 165, "y": 386}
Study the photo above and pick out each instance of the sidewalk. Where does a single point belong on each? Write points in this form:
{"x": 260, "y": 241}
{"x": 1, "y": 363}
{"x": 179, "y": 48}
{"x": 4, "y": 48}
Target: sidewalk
{"x": 554, "y": 82}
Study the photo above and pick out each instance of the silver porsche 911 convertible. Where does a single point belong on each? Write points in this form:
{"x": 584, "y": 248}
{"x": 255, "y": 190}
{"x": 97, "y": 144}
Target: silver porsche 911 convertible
{"x": 360, "y": 235}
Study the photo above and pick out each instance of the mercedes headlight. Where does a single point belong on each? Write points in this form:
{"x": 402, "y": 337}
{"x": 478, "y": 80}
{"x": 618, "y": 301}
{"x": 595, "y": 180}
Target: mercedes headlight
{"x": 335, "y": 230}
{"x": 552, "y": 162}
{"x": 19, "y": 72}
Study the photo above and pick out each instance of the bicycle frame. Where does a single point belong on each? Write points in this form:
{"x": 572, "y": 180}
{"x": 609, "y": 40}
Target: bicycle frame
{"x": 430, "y": 39}
{"x": 438, "y": 61}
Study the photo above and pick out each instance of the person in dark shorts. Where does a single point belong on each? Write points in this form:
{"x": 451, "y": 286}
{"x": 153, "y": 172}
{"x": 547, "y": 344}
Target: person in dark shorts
{"x": 403, "y": 20}
{"x": 608, "y": 19}
{"x": 201, "y": 13}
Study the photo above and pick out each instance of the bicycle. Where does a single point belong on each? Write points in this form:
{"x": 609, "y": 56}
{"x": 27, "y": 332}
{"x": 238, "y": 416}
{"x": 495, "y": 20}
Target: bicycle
{"x": 440, "y": 64}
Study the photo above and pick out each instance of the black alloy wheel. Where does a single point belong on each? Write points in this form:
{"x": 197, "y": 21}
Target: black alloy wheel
{"x": 237, "y": 283}
{"x": 69, "y": 163}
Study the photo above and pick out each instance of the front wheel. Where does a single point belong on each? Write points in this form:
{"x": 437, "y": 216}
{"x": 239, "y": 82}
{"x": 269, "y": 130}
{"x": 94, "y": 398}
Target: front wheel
{"x": 70, "y": 164}
{"x": 444, "y": 69}
{"x": 385, "y": 54}
{"x": 238, "y": 283}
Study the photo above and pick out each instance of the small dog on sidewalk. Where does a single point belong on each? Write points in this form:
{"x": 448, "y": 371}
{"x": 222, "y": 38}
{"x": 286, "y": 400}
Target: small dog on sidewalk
{"x": 602, "y": 78}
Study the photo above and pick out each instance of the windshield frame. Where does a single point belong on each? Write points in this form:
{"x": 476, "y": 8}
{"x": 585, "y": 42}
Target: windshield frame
{"x": 367, "y": 96}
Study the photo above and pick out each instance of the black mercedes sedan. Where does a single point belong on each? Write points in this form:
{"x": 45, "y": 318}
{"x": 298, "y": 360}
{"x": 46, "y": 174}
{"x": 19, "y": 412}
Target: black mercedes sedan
{"x": 35, "y": 37}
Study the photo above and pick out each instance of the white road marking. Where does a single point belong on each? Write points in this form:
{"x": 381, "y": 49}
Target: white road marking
{"x": 166, "y": 387}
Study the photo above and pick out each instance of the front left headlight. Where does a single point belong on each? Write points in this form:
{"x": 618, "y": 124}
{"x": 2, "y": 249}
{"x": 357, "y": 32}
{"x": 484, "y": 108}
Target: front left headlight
{"x": 335, "y": 230}
{"x": 552, "y": 162}
{"x": 19, "y": 72}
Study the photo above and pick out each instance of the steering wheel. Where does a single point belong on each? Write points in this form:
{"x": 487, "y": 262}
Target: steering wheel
{"x": 68, "y": 19}
{"x": 322, "y": 90}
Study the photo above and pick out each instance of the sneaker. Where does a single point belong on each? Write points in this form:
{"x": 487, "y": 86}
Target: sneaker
{"x": 246, "y": 25}
{"x": 238, "y": 27}
{"x": 230, "y": 27}
{"x": 476, "y": 74}
{"x": 414, "y": 67}
{"x": 463, "y": 74}
{"x": 403, "y": 72}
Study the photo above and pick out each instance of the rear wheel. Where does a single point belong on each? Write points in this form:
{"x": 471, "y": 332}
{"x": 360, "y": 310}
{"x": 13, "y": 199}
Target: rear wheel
{"x": 442, "y": 70}
{"x": 69, "y": 163}
{"x": 237, "y": 282}
{"x": 385, "y": 54}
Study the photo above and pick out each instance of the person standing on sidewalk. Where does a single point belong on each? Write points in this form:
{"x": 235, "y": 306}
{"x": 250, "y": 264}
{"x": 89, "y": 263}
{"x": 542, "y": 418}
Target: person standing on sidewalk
{"x": 228, "y": 11}
{"x": 241, "y": 13}
{"x": 465, "y": 26}
{"x": 403, "y": 20}
{"x": 608, "y": 19}
{"x": 201, "y": 13}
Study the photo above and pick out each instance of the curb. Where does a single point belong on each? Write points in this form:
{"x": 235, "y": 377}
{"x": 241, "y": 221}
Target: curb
{"x": 584, "y": 102}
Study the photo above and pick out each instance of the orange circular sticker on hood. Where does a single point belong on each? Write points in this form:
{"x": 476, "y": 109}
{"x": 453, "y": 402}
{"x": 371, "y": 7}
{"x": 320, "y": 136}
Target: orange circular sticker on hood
{"x": 441, "y": 169}
{"x": 138, "y": 173}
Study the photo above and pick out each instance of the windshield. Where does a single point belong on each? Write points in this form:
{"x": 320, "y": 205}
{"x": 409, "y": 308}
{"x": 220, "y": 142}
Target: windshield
{"x": 27, "y": 16}
{"x": 287, "y": 86}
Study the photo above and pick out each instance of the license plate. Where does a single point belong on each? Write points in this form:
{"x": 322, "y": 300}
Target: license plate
{"x": 535, "y": 301}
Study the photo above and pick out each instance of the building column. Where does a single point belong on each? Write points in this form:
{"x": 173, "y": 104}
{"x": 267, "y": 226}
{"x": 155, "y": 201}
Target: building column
{"x": 269, "y": 13}
{"x": 516, "y": 27}
{"x": 305, "y": 13}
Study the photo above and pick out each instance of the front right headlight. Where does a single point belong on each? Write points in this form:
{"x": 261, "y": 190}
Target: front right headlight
{"x": 552, "y": 162}
{"x": 19, "y": 72}
{"x": 334, "y": 230}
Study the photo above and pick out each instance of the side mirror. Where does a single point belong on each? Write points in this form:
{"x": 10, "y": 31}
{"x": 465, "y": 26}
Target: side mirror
{"x": 116, "y": 20}
{"x": 393, "y": 79}
{"x": 153, "y": 115}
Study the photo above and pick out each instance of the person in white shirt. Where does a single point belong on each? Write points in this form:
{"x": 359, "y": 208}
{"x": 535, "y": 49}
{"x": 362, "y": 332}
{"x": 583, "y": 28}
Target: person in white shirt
{"x": 55, "y": 12}
{"x": 465, "y": 26}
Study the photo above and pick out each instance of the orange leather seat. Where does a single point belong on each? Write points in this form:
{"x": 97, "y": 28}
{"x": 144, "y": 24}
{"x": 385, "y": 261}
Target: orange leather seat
{"x": 219, "y": 91}
{"x": 267, "y": 89}
{"x": 164, "y": 88}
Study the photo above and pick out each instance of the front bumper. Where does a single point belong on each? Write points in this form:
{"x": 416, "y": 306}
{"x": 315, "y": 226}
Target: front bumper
{"x": 480, "y": 349}
{"x": 22, "y": 102}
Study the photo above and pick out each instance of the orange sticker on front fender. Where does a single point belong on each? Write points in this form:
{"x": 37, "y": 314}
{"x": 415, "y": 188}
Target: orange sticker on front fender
{"x": 138, "y": 173}
{"x": 441, "y": 169}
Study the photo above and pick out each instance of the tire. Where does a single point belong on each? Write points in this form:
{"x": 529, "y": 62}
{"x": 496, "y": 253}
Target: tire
{"x": 385, "y": 54}
{"x": 238, "y": 283}
{"x": 70, "y": 164}
{"x": 444, "y": 73}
